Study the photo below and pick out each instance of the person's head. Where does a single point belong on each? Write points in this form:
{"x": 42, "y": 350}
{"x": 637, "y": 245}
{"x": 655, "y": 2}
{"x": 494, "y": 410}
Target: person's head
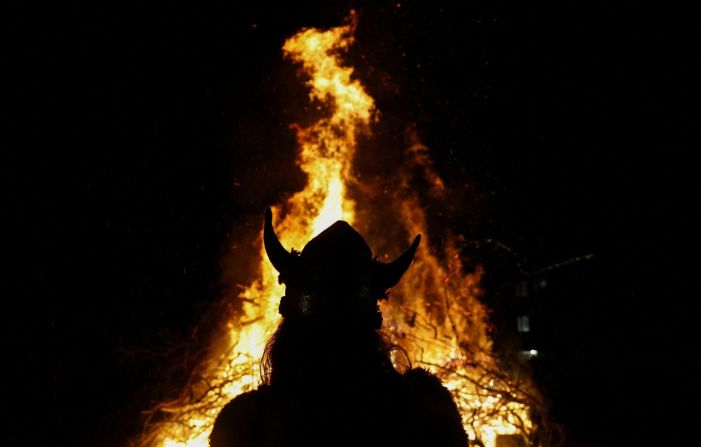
{"x": 330, "y": 308}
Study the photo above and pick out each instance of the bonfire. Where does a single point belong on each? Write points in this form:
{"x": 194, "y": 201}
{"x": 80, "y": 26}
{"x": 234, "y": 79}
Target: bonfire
{"x": 435, "y": 313}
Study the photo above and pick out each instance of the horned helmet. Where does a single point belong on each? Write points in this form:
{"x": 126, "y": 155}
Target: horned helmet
{"x": 335, "y": 276}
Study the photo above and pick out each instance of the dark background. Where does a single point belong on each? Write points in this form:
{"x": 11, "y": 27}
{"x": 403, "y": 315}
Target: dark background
{"x": 144, "y": 141}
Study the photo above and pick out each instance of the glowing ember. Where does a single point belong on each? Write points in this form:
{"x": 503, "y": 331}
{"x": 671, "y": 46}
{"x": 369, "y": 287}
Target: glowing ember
{"x": 434, "y": 312}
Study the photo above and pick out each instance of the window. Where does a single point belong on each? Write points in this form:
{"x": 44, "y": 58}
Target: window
{"x": 521, "y": 289}
{"x": 523, "y": 324}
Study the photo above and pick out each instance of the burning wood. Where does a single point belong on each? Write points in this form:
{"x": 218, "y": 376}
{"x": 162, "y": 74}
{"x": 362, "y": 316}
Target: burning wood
{"x": 434, "y": 313}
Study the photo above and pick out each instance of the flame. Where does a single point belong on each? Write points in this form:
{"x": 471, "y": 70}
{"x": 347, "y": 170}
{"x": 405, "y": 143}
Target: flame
{"x": 434, "y": 312}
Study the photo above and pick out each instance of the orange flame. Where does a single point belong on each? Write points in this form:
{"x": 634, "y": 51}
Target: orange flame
{"x": 434, "y": 312}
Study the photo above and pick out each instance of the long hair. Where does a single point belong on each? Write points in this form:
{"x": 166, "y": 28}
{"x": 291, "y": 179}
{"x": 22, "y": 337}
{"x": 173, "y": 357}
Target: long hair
{"x": 311, "y": 349}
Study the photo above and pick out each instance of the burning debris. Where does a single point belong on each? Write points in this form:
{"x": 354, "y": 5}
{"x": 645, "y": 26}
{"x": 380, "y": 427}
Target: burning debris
{"x": 434, "y": 313}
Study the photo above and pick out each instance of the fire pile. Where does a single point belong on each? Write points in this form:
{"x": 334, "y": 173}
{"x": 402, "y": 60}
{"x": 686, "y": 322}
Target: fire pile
{"x": 434, "y": 313}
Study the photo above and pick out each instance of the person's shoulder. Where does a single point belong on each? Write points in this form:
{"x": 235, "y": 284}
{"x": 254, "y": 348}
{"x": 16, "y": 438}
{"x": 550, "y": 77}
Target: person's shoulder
{"x": 435, "y": 409}
{"x": 424, "y": 382}
{"x": 237, "y": 422}
{"x": 247, "y": 403}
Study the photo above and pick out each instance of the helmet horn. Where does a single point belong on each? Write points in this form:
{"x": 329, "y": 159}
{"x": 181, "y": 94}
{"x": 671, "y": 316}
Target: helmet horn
{"x": 388, "y": 275}
{"x": 278, "y": 255}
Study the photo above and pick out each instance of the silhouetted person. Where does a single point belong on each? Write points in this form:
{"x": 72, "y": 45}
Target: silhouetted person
{"x": 328, "y": 377}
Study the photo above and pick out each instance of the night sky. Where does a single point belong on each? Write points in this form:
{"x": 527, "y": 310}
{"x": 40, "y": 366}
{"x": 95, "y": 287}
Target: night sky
{"x": 145, "y": 142}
